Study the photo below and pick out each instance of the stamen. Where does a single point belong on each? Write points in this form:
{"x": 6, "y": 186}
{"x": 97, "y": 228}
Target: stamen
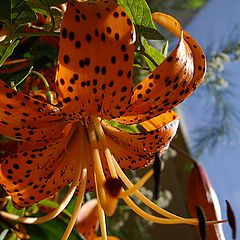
{"x": 77, "y": 206}
{"x": 202, "y": 222}
{"x": 138, "y": 185}
{"x": 113, "y": 186}
{"x": 98, "y": 169}
{"x": 101, "y": 213}
{"x": 173, "y": 219}
{"x": 150, "y": 217}
{"x": 146, "y": 201}
{"x": 82, "y": 188}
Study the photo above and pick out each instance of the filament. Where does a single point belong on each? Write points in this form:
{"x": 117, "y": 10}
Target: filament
{"x": 136, "y": 186}
{"x": 78, "y": 204}
{"x": 107, "y": 202}
{"x": 101, "y": 213}
{"x": 153, "y": 206}
{"x": 146, "y": 201}
{"x": 150, "y": 217}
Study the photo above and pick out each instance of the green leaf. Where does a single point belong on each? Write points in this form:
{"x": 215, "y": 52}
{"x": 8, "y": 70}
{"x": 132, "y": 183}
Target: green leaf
{"x": 5, "y": 11}
{"x": 156, "y": 55}
{"x": 4, "y": 234}
{"x": 52, "y": 204}
{"x": 38, "y": 6}
{"x": 11, "y": 236}
{"x": 140, "y": 14}
{"x": 195, "y": 4}
{"x": 6, "y": 52}
{"x": 15, "y": 13}
{"x": 11, "y": 209}
{"x": 50, "y": 230}
{"x": 32, "y": 209}
{"x": 55, "y": 2}
{"x": 43, "y": 7}
{"x": 71, "y": 205}
{"x": 150, "y": 33}
{"x": 126, "y": 128}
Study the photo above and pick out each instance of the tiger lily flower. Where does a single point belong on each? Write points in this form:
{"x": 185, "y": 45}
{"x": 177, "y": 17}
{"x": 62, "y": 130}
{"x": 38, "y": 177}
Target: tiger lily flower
{"x": 72, "y": 141}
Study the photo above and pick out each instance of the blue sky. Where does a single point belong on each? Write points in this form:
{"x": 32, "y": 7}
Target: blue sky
{"x": 213, "y": 27}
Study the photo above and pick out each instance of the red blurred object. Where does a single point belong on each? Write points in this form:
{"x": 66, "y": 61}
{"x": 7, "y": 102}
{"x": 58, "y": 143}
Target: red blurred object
{"x": 202, "y": 194}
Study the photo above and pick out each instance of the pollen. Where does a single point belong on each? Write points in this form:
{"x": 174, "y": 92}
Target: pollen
{"x": 113, "y": 187}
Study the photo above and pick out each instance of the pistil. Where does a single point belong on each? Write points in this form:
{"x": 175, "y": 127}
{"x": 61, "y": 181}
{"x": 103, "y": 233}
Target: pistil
{"x": 108, "y": 155}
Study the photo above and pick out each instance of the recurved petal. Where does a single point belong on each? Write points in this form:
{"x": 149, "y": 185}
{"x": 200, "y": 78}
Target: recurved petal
{"x": 136, "y": 150}
{"x": 37, "y": 173}
{"x": 95, "y": 60}
{"x": 25, "y": 118}
{"x": 172, "y": 81}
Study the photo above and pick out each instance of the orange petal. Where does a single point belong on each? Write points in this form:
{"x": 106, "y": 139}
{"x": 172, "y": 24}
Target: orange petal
{"x": 25, "y": 118}
{"x": 172, "y": 81}
{"x": 87, "y": 222}
{"x": 37, "y": 173}
{"x": 201, "y": 193}
{"x": 134, "y": 150}
{"x": 95, "y": 60}
{"x": 7, "y": 147}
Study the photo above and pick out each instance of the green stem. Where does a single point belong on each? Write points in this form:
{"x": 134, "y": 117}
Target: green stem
{"x": 147, "y": 56}
{"x": 45, "y": 82}
{"x": 142, "y": 50}
{"x": 49, "y": 95}
{"x": 33, "y": 34}
{"x": 141, "y": 67}
{"x": 29, "y": 72}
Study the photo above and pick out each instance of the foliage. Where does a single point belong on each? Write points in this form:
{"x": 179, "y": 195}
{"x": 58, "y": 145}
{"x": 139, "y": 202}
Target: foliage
{"x": 222, "y": 112}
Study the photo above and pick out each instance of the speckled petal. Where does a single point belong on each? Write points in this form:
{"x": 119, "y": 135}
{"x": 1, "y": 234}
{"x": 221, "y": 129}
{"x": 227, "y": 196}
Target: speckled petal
{"x": 136, "y": 150}
{"x": 172, "y": 81}
{"x": 35, "y": 174}
{"x": 95, "y": 60}
{"x": 25, "y": 118}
